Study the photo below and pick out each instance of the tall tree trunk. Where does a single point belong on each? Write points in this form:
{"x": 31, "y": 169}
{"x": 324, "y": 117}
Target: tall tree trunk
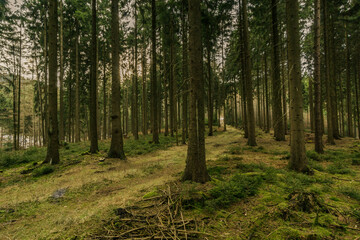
{"x": 135, "y": 113}
{"x": 311, "y": 105}
{"x": 144, "y": 95}
{"x": 93, "y": 84}
{"x": 46, "y": 73}
{"x": 330, "y": 137}
{"x": 348, "y": 87}
{"x": 279, "y": 130}
{"x": 185, "y": 73}
{"x": 52, "y": 155}
{"x": 61, "y": 80}
{"x": 319, "y": 148}
{"x": 104, "y": 133}
{"x": 116, "y": 147}
{"x": 154, "y": 88}
{"x": 267, "y": 129}
{"x": 77, "y": 87}
{"x": 195, "y": 169}
{"x": 248, "y": 79}
{"x": 298, "y": 160}
{"x": 210, "y": 101}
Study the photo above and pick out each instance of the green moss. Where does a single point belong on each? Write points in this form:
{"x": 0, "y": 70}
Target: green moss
{"x": 285, "y": 233}
{"x": 351, "y": 192}
{"x": 227, "y": 192}
{"x": 339, "y": 167}
{"x": 44, "y": 170}
{"x": 151, "y": 194}
{"x": 235, "y": 150}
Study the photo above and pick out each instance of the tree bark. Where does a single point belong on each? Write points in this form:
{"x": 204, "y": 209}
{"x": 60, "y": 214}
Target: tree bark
{"x": 195, "y": 169}
{"x": 248, "y": 79}
{"x": 319, "y": 148}
{"x": 77, "y": 87}
{"x": 61, "y": 79}
{"x": 330, "y": 137}
{"x": 279, "y": 130}
{"x": 93, "y": 84}
{"x": 116, "y": 147}
{"x": 298, "y": 160}
{"x": 52, "y": 155}
{"x": 154, "y": 88}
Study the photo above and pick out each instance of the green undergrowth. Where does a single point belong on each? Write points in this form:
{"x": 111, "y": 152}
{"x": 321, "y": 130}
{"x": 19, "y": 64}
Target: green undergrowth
{"x": 279, "y": 203}
{"x": 71, "y": 151}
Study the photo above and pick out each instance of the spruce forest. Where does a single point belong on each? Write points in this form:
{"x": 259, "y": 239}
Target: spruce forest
{"x": 180, "y": 119}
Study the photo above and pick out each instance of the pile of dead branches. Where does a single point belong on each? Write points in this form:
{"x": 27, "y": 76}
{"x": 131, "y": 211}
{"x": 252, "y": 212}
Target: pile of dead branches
{"x": 159, "y": 217}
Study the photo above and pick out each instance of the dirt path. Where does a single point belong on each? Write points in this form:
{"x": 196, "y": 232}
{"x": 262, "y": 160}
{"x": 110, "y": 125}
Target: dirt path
{"x": 93, "y": 190}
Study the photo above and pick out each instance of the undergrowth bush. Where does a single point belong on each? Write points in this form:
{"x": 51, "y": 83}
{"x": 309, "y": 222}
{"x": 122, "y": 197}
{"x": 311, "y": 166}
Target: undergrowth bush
{"x": 351, "y": 192}
{"x": 238, "y": 187}
{"x": 44, "y": 170}
{"x": 14, "y": 158}
{"x": 339, "y": 167}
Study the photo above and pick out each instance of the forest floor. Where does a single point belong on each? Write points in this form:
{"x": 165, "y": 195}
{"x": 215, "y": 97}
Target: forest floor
{"x": 252, "y": 194}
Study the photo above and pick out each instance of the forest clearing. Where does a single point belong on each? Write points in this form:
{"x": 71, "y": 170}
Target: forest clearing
{"x": 94, "y": 190}
{"x": 180, "y": 119}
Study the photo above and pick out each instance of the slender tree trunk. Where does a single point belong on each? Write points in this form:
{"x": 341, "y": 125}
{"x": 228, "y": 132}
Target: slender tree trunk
{"x": 154, "y": 88}
{"x": 330, "y": 137}
{"x": 298, "y": 160}
{"x": 348, "y": 87}
{"x": 319, "y": 148}
{"x": 144, "y": 95}
{"x": 46, "y": 74}
{"x": 135, "y": 111}
{"x": 185, "y": 73}
{"x": 61, "y": 80}
{"x": 210, "y": 101}
{"x": 19, "y": 89}
{"x": 77, "y": 88}
{"x": 116, "y": 148}
{"x": 195, "y": 169}
{"x": 248, "y": 79}
{"x": 279, "y": 130}
{"x": 93, "y": 84}
{"x": 104, "y": 98}
{"x": 311, "y": 105}
{"x": 52, "y": 155}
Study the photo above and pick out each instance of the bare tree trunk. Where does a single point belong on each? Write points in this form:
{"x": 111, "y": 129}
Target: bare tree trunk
{"x": 319, "y": 148}
{"x": 348, "y": 87}
{"x": 116, "y": 148}
{"x": 77, "y": 88}
{"x": 298, "y": 160}
{"x": 195, "y": 169}
{"x": 93, "y": 84}
{"x": 61, "y": 80}
{"x": 135, "y": 113}
{"x": 154, "y": 88}
{"x": 104, "y": 97}
{"x": 52, "y": 155}
{"x": 185, "y": 73}
{"x": 279, "y": 130}
{"x": 248, "y": 79}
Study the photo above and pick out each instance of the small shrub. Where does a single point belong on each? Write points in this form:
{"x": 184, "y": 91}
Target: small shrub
{"x": 351, "y": 192}
{"x": 314, "y": 156}
{"x": 224, "y": 158}
{"x": 235, "y": 150}
{"x": 251, "y": 167}
{"x": 150, "y": 169}
{"x": 43, "y": 171}
{"x": 355, "y": 212}
{"x": 217, "y": 170}
{"x": 238, "y": 187}
{"x": 356, "y": 161}
{"x": 339, "y": 168}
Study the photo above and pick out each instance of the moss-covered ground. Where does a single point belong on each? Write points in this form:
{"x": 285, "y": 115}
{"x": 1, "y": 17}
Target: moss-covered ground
{"x": 252, "y": 194}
